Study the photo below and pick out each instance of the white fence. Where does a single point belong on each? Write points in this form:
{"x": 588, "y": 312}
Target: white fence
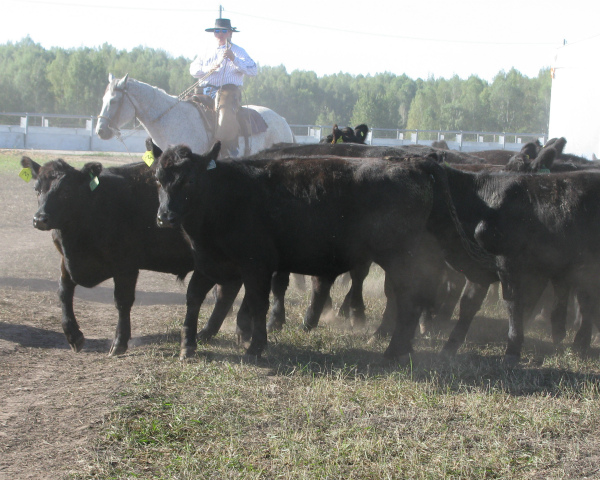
{"x": 38, "y": 131}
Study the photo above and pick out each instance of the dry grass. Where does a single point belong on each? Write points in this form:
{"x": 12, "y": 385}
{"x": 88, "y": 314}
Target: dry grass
{"x": 325, "y": 405}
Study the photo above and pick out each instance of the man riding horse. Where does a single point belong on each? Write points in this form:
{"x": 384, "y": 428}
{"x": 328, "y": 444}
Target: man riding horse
{"x": 221, "y": 73}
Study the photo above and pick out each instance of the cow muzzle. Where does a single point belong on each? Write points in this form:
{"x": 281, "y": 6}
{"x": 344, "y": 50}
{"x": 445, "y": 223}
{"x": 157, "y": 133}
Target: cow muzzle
{"x": 41, "y": 221}
{"x": 168, "y": 219}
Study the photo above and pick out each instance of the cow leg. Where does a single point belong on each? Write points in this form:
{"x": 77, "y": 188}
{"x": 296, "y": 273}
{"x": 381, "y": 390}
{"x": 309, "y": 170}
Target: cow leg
{"x": 402, "y": 276}
{"x": 388, "y": 322}
{"x": 225, "y": 296}
{"x": 588, "y": 310}
{"x": 279, "y": 284}
{"x": 124, "y": 297}
{"x": 471, "y": 299}
{"x": 520, "y": 299}
{"x": 244, "y": 324}
{"x": 318, "y": 298}
{"x": 257, "y": 289}
{"x": 558, "y": 316}
{"x": 353, "y": 305}
{"x": 198, "y": 287}
{"x": 454, "y": 287}
{"x": 66, "y": 291}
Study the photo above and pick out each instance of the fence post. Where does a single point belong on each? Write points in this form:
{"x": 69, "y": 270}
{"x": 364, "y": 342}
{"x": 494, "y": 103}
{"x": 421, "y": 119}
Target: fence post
{"x": 25, "y": 124}
{"x": 91, "y": 131}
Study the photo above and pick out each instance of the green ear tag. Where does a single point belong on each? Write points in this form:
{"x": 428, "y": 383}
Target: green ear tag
{"x": 148, "y": 157}
{"x": 543, "y": 170}
{"x": 94, "y": 182}
{"x": 25, "y": 174}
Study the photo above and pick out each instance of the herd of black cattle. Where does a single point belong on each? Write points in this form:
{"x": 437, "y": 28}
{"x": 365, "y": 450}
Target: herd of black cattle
{"x": 426, "y": 215}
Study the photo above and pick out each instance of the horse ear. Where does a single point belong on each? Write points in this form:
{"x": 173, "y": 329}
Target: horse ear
{"x": 121, "y": 84}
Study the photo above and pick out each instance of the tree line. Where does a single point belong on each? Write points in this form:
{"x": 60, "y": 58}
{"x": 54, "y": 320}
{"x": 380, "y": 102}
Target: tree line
{"x": 72, "y": 81}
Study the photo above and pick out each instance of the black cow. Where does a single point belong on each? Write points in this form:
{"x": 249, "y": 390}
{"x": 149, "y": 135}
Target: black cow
{"x": 109, "y": 231}
{"x": 347, "y": 135}
{"x": 353, "y": 150}
{"x": 318, "y": 217}
{"x": 540, "y": 228}
{"x": 353, "y": 305}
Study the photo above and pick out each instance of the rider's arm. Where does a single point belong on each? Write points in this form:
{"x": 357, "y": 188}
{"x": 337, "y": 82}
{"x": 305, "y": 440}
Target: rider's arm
{"x": 242, "y": 61}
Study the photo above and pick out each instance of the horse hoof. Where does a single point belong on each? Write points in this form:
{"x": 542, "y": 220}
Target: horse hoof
{"x": 78, "y": 344}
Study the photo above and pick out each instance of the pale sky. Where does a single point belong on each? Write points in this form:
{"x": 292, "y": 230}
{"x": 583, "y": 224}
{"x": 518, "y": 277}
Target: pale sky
{"x": 419, "y": 38}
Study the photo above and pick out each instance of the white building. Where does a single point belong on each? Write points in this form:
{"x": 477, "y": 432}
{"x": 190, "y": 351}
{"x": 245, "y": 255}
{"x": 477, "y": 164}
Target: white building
{"x": 575, "y": 101}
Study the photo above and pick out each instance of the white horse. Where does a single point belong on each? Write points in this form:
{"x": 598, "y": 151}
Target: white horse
{"x": 170, "y": 121}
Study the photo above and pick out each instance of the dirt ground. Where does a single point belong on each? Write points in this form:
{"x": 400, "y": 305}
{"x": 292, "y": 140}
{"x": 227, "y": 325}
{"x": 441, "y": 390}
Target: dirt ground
{"x": 52, "y": 401}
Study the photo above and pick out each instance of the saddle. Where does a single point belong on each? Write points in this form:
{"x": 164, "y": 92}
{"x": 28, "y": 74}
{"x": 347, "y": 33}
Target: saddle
{"x": 243, "y": 123}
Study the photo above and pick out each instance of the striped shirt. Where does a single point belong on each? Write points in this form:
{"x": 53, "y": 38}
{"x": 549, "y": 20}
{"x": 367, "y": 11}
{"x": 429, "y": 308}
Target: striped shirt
{"x": 227, "y": 71}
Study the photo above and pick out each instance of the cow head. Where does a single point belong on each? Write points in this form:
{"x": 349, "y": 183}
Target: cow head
{"x": 62, "y": 191}
{"x": 180, "y": 174}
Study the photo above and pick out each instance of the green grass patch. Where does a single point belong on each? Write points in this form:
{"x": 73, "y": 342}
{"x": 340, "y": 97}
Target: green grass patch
{"x": 326, "y": 405}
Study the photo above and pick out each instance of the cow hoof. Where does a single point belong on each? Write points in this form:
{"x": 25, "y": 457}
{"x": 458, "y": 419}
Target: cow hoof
{"x": 187, "y": 352}
{"x": 307, "y": 327}
{"x": 117, "y": 349}
{"x": 204, "y": 336}
{"x": 511, "y": 360}
{"x": 274, "y": 327}
{"x": 358, "y": 322}
{"x": 449, "y": 352}
{"x": 404, "y": 360}
{"x": 251, "y": 359}
{"x": 78, "y": 344}
{"x": 450, "y": 349}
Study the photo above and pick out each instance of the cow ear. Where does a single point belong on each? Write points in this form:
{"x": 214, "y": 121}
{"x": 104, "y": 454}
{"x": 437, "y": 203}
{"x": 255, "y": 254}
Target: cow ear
{"x": 544, "y": 160}
{"x": 153, "y": 147}
{"x": 559, "y": 145}
{"x": 214, "y": 153}
{"x": 27, "y": 162}
{"x": 92, "y": 169}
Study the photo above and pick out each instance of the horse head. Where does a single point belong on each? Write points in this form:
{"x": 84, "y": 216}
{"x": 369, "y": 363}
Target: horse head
{"x": 117, "y": 108}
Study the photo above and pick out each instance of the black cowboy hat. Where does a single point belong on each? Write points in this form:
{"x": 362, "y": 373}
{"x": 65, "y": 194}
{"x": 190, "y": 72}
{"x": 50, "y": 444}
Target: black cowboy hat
{"x": 222, "y": 23}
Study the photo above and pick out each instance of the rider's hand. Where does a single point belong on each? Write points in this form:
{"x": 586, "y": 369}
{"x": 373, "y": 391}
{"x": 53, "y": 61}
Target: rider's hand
{"x": 229, "y": 55}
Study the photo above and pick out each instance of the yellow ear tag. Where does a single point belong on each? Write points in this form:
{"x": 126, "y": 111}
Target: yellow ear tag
{"x": 340, "y": 140}
{"x": 94, "y": 182}
{"x": 25, "y": 174}
{"x": 148, "y": 157}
